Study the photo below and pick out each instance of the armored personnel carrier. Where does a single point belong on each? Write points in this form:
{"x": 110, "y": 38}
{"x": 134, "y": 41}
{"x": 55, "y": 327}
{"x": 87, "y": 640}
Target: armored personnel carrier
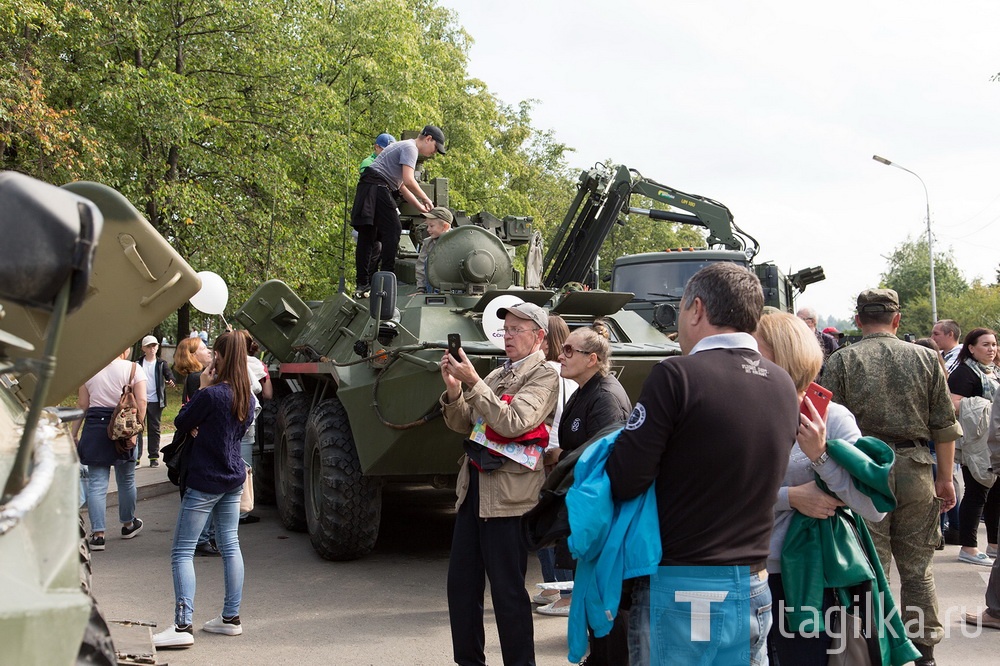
{"x": 82, "y": 277}
{"x": 358, "y": 380}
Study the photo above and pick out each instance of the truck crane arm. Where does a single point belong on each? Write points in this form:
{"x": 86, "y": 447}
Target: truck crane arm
{"x": 603, "y": 195}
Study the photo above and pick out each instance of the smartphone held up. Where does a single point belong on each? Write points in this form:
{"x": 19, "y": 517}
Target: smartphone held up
{"x": 454, "y": 344}
{"x": 820, "y": 399}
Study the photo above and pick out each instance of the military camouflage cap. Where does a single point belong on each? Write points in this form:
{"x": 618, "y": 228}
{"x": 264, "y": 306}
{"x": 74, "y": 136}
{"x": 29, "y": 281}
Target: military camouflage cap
{"x": 872, "y": 301}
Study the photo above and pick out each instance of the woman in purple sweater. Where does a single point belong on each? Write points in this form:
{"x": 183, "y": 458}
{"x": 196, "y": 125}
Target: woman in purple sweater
{"x": 217, "y": 417}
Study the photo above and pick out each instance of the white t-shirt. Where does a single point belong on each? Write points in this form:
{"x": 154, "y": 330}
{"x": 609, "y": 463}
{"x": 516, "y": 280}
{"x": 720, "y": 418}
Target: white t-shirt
{"x": 567, "y": 387}
{"x": 105, "y": 388}
{"x": 150, "y": 369}
{"x": 255, "y": 368}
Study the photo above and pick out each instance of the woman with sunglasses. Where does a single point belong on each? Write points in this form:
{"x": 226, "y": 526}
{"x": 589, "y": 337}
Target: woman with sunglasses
{"x": 600, "y": 402}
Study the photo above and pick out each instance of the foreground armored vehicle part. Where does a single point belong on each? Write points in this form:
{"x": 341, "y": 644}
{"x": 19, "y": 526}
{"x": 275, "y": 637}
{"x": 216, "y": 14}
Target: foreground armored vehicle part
{"x": 359, "y": 381}
{"x": 82, "y": 276}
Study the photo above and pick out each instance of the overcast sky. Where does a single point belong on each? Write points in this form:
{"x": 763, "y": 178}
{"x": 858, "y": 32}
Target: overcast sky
{"x": 775, "y": 109}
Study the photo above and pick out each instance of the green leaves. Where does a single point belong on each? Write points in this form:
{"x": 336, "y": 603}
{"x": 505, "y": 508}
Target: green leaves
{"x": 237, "y": 127}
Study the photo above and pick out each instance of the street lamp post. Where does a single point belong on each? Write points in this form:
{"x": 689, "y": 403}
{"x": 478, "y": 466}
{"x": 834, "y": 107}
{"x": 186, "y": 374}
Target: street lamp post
{"x": 930, "y": 240}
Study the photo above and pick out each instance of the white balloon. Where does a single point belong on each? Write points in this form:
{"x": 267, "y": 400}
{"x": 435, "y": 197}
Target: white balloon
{"x": 213, "y": 295}
{"x": 492, "y": 322}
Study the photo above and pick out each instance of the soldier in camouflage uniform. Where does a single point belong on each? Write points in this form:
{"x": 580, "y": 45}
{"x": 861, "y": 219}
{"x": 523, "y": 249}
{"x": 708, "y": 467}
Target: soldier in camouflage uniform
{"x": 899, "y": 393}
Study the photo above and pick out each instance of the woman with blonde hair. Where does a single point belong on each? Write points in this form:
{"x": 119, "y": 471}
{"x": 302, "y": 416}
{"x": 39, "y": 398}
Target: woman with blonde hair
{"x": 787, "y": 341}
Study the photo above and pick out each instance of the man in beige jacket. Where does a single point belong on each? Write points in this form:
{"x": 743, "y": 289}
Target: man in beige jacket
{"x": 493, "y": 492}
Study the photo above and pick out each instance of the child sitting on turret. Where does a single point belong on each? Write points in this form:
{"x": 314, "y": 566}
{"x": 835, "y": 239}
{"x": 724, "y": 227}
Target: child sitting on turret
{"x": 439, "y": 220}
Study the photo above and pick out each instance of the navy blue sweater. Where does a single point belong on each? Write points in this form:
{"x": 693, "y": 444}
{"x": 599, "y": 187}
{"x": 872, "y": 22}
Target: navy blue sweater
{"x": 215, "y": 465}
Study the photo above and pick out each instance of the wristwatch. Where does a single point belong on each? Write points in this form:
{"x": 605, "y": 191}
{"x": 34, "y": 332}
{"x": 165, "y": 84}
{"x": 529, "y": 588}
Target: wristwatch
{"x": 823, "y": 457}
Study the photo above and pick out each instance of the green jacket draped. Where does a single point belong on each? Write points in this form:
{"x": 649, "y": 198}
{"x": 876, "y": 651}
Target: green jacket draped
{"x": 845, "y": 553}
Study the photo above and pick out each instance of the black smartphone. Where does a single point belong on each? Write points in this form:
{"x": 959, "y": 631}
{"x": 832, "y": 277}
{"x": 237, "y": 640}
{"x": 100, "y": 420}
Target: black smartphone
{"x": 454, "y": 344}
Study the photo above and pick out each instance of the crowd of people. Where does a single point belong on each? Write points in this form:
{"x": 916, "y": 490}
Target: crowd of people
{"x": 802, "y": 506}
{"x": 829, "y": 495}
{"x": 219, "y": 405}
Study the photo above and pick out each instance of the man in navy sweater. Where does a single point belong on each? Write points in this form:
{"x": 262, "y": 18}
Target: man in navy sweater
{"x": 712, "y": 429}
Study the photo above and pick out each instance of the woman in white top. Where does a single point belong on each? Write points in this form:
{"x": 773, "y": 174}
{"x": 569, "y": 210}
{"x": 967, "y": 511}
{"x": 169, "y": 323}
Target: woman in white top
{"x": 98, "y": 398}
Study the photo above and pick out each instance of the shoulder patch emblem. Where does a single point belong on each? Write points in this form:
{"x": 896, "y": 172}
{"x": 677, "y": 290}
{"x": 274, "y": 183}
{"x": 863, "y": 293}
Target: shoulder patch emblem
{"x": 576, "y": 425}
{"x": 637, "y": 417}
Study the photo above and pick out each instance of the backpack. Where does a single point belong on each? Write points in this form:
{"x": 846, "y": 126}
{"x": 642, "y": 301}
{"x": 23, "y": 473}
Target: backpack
{"x": 124, "y": 424}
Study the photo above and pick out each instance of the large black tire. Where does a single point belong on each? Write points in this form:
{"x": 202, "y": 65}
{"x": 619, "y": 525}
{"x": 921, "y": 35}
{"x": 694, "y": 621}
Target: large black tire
{"x": 343, "y": 507}
{"x": 263, "y": 463}
{"x": 96, "y": 646}
{"x": 289, "y": 449}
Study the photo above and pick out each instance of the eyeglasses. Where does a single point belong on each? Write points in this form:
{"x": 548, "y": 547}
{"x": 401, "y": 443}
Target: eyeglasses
{"x": 517, "y": 331}
{"x": 568, "y": 351}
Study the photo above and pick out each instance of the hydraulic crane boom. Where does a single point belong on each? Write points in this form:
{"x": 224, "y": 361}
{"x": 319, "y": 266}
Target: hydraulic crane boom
{"x": 603, "y": 195}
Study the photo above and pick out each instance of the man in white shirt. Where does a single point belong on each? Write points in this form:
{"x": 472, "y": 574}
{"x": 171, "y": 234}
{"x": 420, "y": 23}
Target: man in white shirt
{"x": 948, "y": 336}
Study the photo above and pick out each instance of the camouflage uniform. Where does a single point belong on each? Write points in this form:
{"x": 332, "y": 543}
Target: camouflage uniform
{"x": 899, "y": 394}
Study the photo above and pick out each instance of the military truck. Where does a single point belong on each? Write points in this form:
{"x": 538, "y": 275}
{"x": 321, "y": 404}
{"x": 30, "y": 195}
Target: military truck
{"x": 605, "y": 195}
{"x": 82, "y": 277}
{"x": 357, "y": 380}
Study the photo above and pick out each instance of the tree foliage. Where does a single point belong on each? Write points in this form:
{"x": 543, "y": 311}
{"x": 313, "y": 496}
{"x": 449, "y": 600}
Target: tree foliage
{"x": 908, "y": 273}
{"x": 237, "y": 127}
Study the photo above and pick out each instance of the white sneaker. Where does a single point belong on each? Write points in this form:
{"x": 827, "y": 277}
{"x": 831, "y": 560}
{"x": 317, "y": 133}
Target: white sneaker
{"x": 981, "y": 559}
{"x": 173, "y": 638}
{"x": 552, "y": 609}
{"x": 221, "y": 625}
{"x": 545, "y": 599}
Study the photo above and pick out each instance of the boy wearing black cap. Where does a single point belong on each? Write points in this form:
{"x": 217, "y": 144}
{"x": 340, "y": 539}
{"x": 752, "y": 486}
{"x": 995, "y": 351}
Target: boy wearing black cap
{"x": 374, "y": 214}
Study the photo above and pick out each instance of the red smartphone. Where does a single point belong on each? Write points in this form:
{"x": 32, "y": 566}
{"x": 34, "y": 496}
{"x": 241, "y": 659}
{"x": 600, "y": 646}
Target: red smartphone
{"x": 820, "y": 398}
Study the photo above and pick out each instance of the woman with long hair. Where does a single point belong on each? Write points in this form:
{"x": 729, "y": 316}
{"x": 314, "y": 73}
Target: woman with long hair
{"x": 216, "y": 417}
{"x": 975, "y": 376}
{"x": 552, "y": 346}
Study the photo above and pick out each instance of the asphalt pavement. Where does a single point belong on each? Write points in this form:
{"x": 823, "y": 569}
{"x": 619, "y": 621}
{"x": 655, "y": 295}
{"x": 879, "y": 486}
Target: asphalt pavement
{"x": 386, "y": 609}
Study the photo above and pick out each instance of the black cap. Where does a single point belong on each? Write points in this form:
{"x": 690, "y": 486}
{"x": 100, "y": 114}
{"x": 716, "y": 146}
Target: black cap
{"x": 434, "y": 131}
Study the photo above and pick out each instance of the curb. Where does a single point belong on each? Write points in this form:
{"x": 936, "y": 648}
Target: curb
{"x": 147, "y": 491}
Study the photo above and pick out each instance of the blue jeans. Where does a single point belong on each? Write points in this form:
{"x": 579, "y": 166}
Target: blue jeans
{"x": 754, "y": 604}
{"x": 196, "y": 507}
{"x": 550, "y": 573}
{"x": 97, "y": 493}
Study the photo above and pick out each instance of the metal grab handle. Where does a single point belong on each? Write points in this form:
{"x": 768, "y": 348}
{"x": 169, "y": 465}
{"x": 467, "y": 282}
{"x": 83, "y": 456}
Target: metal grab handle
{"x": 128, "y": 245}
{"x": 146, "y": 300}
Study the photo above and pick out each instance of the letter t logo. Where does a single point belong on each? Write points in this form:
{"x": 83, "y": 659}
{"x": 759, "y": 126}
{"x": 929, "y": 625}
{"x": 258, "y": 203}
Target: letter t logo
{"x": 701, "y": 606}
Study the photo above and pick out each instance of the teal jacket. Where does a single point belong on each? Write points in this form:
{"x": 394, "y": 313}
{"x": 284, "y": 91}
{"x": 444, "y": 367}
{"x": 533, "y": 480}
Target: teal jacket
{"x": 611, "y": 540}
{"x": 847, "y": 556}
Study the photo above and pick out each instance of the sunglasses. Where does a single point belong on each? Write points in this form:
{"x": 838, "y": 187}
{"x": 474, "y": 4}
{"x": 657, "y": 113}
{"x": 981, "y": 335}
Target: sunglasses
{"x": 568, "y": 351}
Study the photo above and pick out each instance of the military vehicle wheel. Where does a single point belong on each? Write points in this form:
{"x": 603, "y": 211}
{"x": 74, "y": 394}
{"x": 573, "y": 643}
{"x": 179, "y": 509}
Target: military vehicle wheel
{"x": 343, "y": 507}
{"x": 289, "y": 447}
{"x": 97, "y": 647}
{"x": 263, "y": 468}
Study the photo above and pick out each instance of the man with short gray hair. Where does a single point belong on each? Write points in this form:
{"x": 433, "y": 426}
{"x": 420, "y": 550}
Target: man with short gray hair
{"x": 495, "y": 491}
{"x": 715, "y": 424}
{"x": 948, "y": 336}
{"x": 827, "y": 342}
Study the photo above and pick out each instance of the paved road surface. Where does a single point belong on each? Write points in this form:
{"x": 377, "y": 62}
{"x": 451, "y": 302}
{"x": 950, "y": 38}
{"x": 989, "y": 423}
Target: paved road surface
{"x": 386, "y": 609}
